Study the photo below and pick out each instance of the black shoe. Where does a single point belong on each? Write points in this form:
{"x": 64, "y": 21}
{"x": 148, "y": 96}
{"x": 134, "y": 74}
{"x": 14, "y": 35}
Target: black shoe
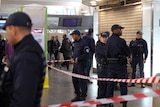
{"x": 124, "y": 105}
{"x": 77, "y": 98}
{"x": 132, "y": 85}
{"x": 109, "y": 105}
{"x": 142, "y": 86}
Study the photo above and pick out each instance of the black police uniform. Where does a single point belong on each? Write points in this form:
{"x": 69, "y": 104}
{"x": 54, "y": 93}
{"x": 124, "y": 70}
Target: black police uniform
{"x": 139, "y": 52}
{"x": 91, "y": 43}
{"x": 101, "y": 69}
{"x": 117, "y": 51}
{"x": 81, "y": 52}
{"x": 23, "y": 83}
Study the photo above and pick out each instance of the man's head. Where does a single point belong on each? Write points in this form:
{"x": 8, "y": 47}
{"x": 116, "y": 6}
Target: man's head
{"x": 139, "y": 34}
{"x": 17, "y": 26}
{"x": 52, "y": 37}
{"x": 117, "y": 29}
{"x": 76, "y": 35}
{"x": 90, "y": 31}
{"x": 64, "y": 36}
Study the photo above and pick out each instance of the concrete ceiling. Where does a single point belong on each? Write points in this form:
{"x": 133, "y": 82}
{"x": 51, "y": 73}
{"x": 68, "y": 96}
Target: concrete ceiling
{"x": 8, "y": 6}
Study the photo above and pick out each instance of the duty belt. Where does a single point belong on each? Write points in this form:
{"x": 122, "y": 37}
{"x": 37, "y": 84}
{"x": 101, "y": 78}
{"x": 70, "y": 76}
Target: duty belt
{"x": 112, "y": 60}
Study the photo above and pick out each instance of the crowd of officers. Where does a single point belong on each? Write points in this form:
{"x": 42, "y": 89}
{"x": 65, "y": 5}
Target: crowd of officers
{"x": 21, "y": 81}
{"x": 112, "y": 55}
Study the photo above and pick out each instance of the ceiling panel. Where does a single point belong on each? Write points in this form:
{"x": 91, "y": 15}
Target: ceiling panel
{"x": 8, "y": 6}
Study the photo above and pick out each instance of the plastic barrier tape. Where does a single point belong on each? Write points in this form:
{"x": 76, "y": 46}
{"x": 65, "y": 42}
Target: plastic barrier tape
{"x": 140, "y": 80}
{"x": 59, "y": 61}
{"x": 108, "y": 100}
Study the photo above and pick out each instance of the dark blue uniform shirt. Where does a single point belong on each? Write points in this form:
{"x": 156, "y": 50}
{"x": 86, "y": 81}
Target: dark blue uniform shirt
{"x": 81, "y": 51}
{"x": 139, "y": 47}
{"x": 116, "y": 46}
{"x": 100, "y": 50}
{"x": 24, "y": 80}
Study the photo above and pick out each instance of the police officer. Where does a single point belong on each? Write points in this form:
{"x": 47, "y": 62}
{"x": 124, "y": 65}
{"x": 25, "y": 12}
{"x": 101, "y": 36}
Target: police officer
{"x": 22, "y": 84}
{"x": 101, "y": 64}
{"x": 117, "y": 52}
{"x": 80, "y": 56}
{"x": 139, "y": 53}
{"x": 91, "y": 43}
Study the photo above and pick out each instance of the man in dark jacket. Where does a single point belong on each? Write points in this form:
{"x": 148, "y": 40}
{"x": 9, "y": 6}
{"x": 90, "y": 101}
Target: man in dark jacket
{"x": 66, "y": 50}
{"x": 51, "y": 44}
{"x": 139, "y": 53}
{"x": 117, "y": 52}
{"x": 91, "y": 43}
{"x": 80, "y": 56}
{"x": 23, "y": 81}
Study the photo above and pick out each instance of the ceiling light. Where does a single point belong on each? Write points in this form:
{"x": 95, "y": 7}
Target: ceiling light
{"x": 98, "y": 0}
{"x": 93, "y": 2}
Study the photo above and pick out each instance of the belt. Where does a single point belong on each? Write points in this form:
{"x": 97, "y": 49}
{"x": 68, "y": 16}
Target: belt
{"x": 112, "y": 60}
{"x": 102, "y": 65}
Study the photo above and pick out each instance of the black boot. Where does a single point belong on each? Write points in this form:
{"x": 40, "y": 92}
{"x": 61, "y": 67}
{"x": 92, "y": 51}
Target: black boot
{"x": 109, "y": 105}
{"x": 77, "y": 98}
{"x": 142, "y": 86}
{"x": 124, "y": 105}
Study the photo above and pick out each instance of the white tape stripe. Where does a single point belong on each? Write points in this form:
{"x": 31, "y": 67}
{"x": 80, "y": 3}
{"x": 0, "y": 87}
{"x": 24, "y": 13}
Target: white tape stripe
{"x": 129, "y": 98}
{"x": 150, "y": 80}
{"x": 152, "y": 93}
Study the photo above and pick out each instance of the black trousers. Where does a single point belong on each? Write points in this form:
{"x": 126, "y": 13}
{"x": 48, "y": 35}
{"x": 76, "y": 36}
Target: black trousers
{"x": 102, "y": 85}
{"x": 117, "y": 71}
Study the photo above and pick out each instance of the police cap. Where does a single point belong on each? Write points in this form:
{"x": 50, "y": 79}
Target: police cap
{"x": 77, "y": 32}
{"x": 116, "y": 26}
{"x": 139, "y": 32}
{"x": 18, "y": 19}
{"x": 105, "y": 34}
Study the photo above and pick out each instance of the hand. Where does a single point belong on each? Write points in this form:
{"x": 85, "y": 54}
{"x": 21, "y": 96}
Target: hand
{"x": 144, "y": 61}
{"x": 129, "y": 60}
{"x": 76, "y": 60}
{"x": 72, "y": 60}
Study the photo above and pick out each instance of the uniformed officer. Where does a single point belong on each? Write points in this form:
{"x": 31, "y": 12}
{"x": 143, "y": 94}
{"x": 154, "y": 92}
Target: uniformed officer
{"x": 139, "y": 53}
{"x": 22, "y": 84}
{"x": 91, "y": 43}
{"x": 80, "y": 56}
{"x": 117, "y": 52}
{"x": 101, "y": 64}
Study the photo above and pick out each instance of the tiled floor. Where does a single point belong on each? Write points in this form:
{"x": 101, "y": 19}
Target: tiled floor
{"x": 61, "y": 91}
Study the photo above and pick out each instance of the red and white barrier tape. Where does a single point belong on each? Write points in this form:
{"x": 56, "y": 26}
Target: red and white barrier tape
{"x": 140, "y": 80}
{"x": 108, "y": 100}
{"x": 59, "y": 60}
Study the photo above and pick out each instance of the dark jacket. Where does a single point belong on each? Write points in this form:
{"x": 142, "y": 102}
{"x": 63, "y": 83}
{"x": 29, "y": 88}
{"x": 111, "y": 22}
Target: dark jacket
{"x": 66, "y": 48}
{"x": 139, "y": 47}
{"x": 23, "y": 82}
{"x": 116, "y": 47}
{"x": 81, "y": 52}
{"x": 100, "y": 52}
{"x": 91, "y": 43}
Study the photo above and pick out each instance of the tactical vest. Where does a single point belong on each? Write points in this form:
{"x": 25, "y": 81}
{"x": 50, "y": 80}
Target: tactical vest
{"x": 136, "y": 48}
